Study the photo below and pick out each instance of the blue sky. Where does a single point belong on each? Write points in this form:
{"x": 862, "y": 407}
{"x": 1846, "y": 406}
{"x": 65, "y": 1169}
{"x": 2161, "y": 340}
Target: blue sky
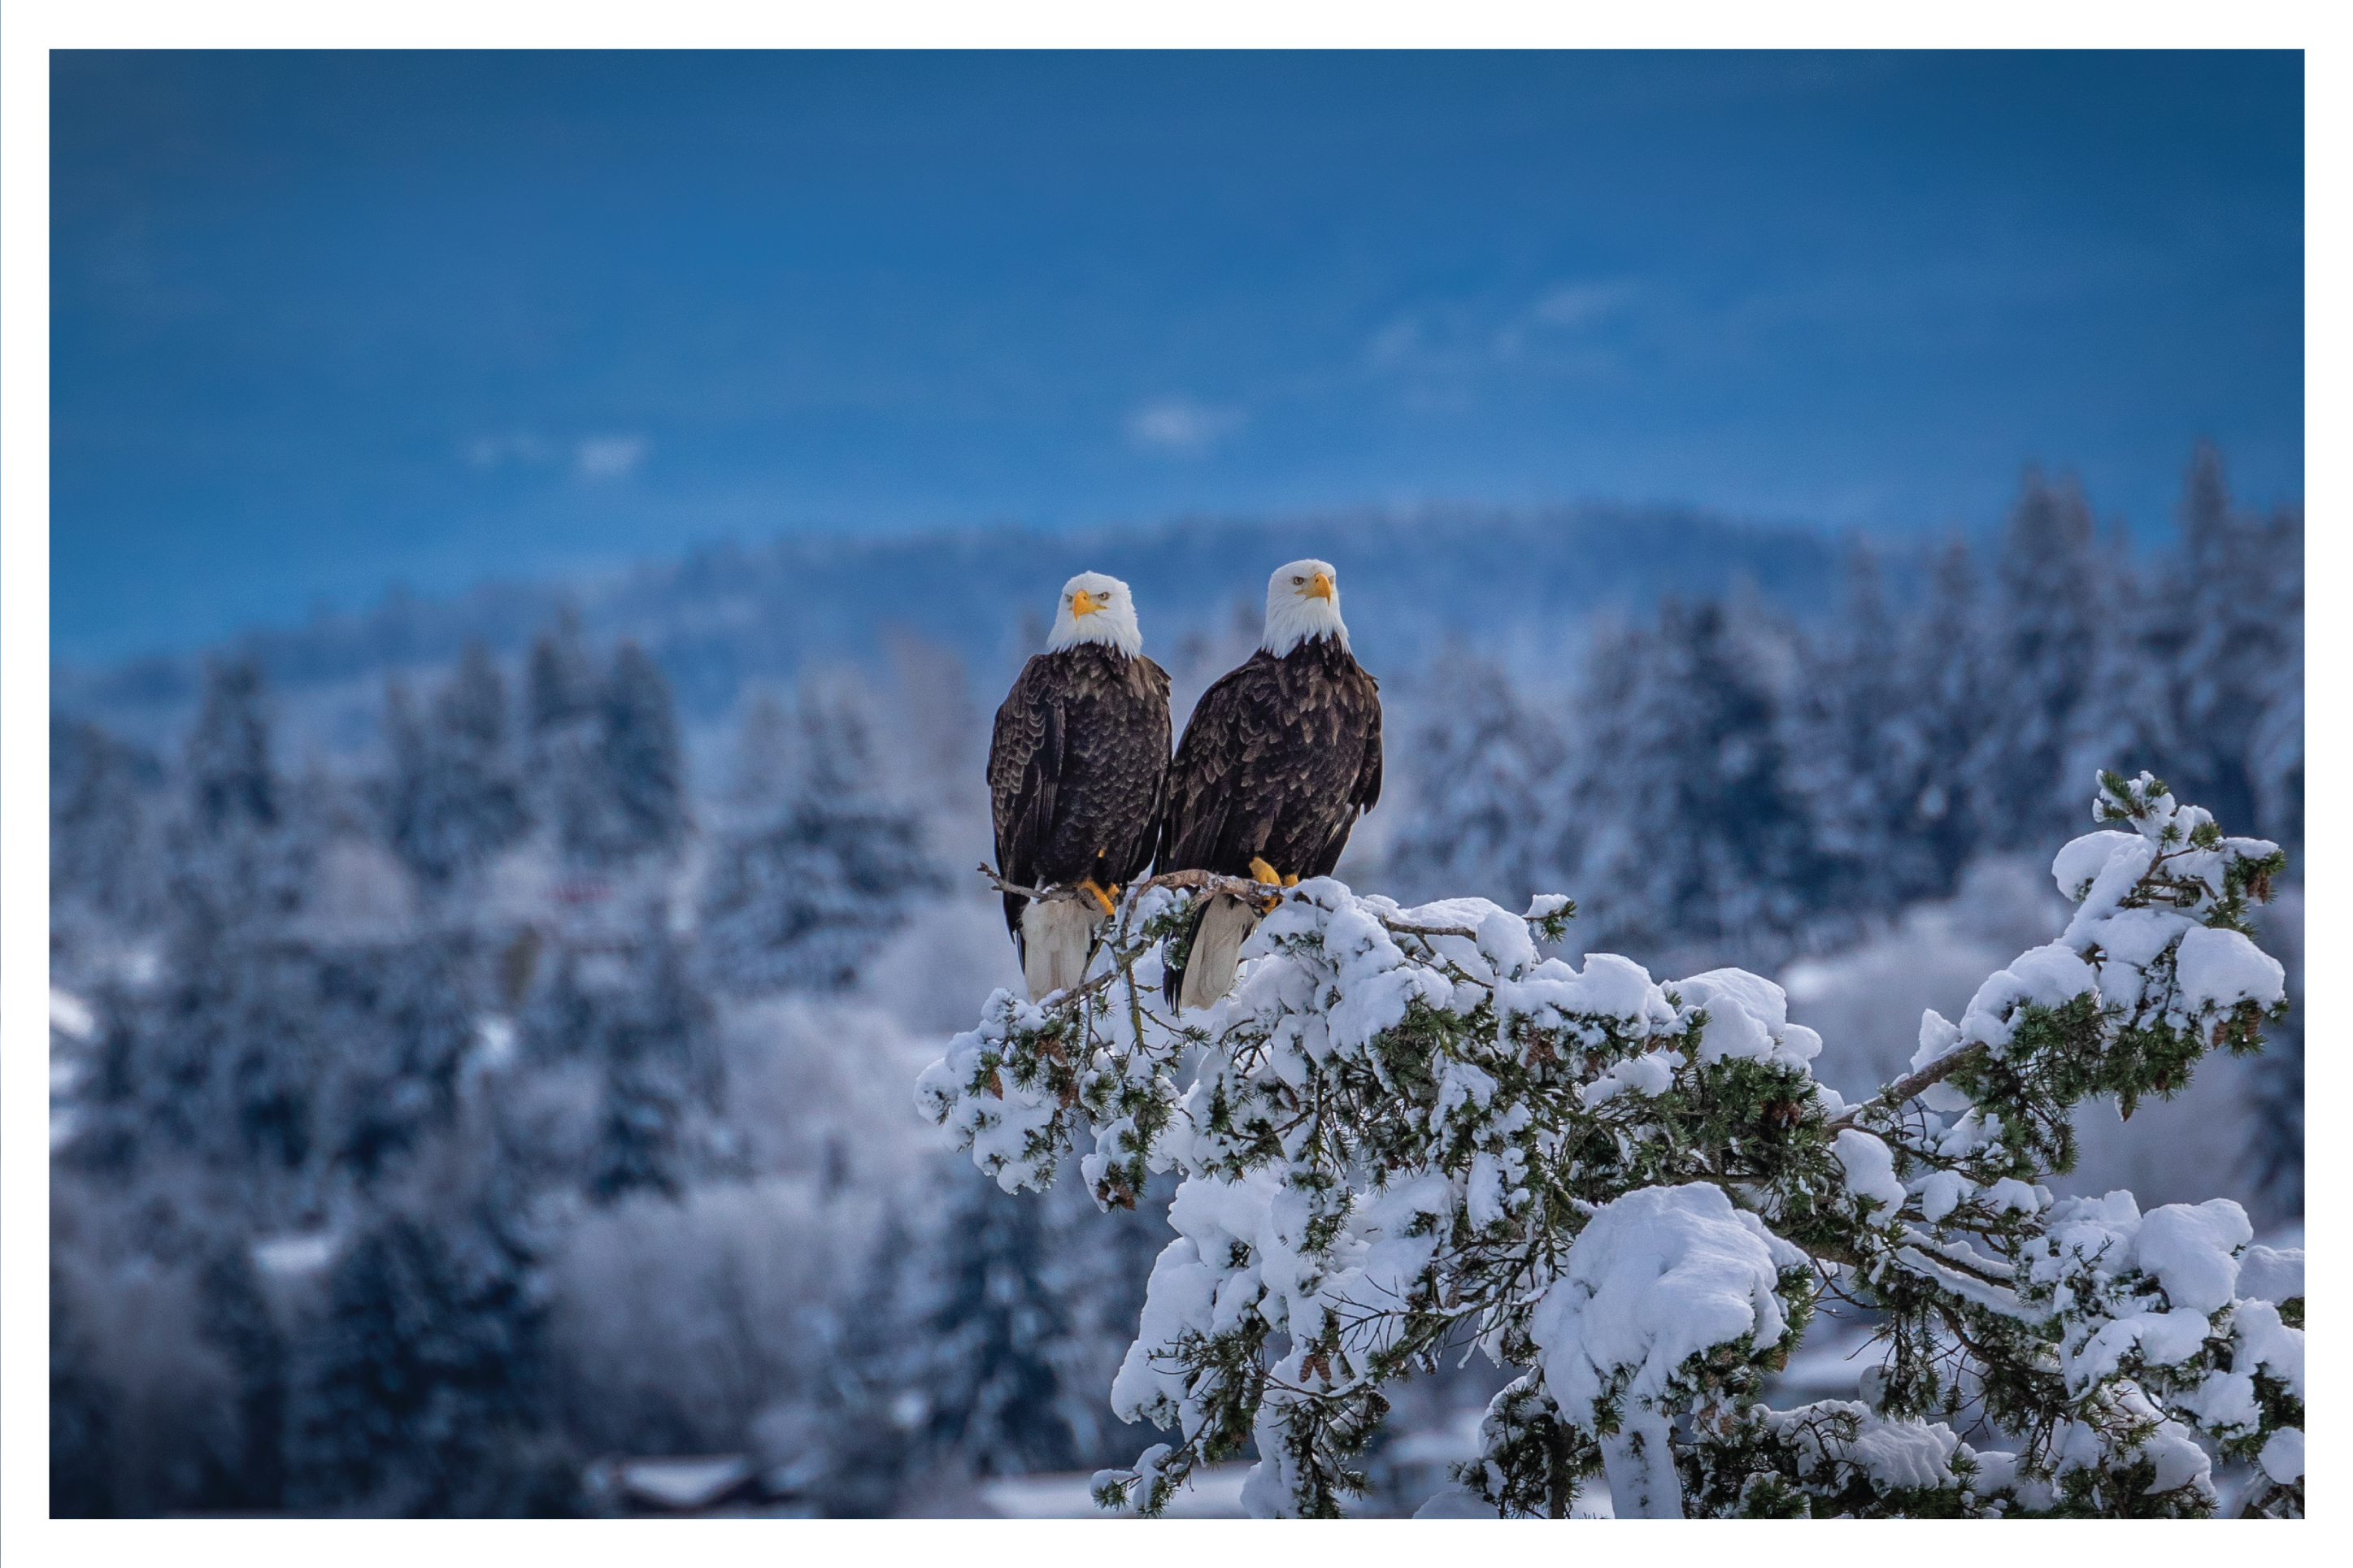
{"x": 325, "y": 322}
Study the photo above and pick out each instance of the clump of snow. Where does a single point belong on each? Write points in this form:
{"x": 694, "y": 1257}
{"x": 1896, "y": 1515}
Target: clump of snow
{"x": 2269, "y": 1274}
{"x": 1870, "y": 1169}
{"x": 1660, "y": 1276}
{"x": 2220, "y": 968}
{"x": 1890, "y": 1451}
{"x": 2191, "y": 1250}
{"x": 2050, "y": 975}
{"x": 2081, "y": 862}
{"x": 1749, "y": 1017}
{"x": 1007, "y": 1121}
{"x": 1939, "y": 1037}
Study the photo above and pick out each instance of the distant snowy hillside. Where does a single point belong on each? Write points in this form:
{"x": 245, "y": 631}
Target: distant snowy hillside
{"x": 1512, "y": 585}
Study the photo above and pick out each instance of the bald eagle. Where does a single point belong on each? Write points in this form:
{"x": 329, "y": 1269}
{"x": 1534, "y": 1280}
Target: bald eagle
{"x": 1280, "y": 757}
{"x": 1076, "y": 768}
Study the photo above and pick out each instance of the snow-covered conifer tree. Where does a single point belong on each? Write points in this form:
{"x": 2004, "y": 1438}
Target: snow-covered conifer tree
{"x": 1404, "y": 1131}
{"x": 760, "y": 779}
{"x": 2045, "y": 634}
{"x": 1859, "y": 754}
{"x": 232, "y": 861}
{"x": 1484, "y": 811}
{"x": 660, "y": 1068}
{"x": 566, "y": 772}
{"x": 2240, "y": 593}
{"x": 451, "y": 798}
{"x": 991, "y": 1339}
{"x": 234, "y": 1318}
{"x": 799, "y": 899}
{"x": 84, "y": 1411}
{"x": 404, "y": 1021}
{"x": 102, "y": 883}
{"x": 1692, "y": 829}
{"x": 420, "y": 1391}
{"x": 1949, "y": 686}
{"x": 644, "y": 765}
{"x": 219, "y": 1058}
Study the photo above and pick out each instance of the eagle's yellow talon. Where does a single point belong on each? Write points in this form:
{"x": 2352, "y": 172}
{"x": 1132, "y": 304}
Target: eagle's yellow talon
{"x": 1262, "y": 872}
{"x": 1292, "y": 881}
{"x": 1097, "y": 894}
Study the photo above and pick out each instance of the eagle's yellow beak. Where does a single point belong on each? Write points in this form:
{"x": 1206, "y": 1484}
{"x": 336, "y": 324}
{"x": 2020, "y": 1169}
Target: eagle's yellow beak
{"x": 1082, "y": 603}
{"x": 1319, "y": 586}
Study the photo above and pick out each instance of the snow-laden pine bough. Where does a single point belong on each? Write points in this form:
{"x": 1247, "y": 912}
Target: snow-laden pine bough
{"x": 1405, "y": 1130}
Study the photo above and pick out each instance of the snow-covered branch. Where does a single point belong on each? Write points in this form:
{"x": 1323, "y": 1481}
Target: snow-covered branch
{"x": 1405, "y": 1126}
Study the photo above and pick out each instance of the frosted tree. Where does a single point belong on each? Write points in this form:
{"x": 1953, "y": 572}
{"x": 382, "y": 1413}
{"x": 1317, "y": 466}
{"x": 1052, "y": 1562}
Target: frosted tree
{"x": 1692, "y": 829}
{"x": 798, "y": 901}
{"x": 84, "y": 1412}
{"x": 661, "y": 1067}
{"x": 2240, "y": 589}
{"x": 2045, "y": 635}
{"x": 1484, "y": 815}
{"x": 1404, "y": 1131}
{"x": 233, "y": 861}
{"x": 404, "y": 1024}
{"x": 219, "y": 1058}
{"x": 451, "y": 799}
{"x": 992, "y": 1340}
{"x": 644, "y": 765}
{"x": 420, "y": 1391}
{"x": 2130, "y": 709}
{"x": 234, "y": 1318}
{"x": 873, "y": 1402}
{"x": 760, "y": 779}
{"x": 1949, "y": 686}
{"x": 1860, "y": 748}
{"x": 102, "y": 881}
{"x": 566, "y": 772}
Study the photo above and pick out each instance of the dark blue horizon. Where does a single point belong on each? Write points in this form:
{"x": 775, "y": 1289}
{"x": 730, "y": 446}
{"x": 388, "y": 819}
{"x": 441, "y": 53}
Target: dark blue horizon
{"x": 325, "y": 323}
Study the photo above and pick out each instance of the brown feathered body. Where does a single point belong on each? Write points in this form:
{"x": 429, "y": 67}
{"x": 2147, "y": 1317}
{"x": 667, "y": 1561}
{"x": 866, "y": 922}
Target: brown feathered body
{"x": 1076, "y": 769}
{"x": 1279, "y": 760}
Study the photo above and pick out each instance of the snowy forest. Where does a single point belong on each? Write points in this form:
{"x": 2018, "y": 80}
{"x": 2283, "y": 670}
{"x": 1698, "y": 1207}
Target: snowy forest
{"x": 442, "y": 1124}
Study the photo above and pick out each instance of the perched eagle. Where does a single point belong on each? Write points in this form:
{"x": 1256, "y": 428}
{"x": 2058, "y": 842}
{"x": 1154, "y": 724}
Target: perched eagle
{"x": 1278, "y": 761}
{"x": 1075, "y": 772}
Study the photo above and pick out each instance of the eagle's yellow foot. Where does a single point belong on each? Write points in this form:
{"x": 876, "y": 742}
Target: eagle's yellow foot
{"x": 1292, "y": 881}
{"x": 1262, "y": 872}
{"x": 1090, "y": 889}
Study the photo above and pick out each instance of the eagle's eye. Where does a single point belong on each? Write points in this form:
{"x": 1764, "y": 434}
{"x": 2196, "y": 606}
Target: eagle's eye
{"x": 1295, "y": 582}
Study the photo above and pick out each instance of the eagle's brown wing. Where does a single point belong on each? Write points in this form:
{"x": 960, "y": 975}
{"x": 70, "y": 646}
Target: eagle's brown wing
{"x": 1025, "y": 771}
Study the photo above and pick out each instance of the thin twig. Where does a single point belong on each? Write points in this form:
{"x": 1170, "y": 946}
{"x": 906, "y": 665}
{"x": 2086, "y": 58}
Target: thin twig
{"x": 1211, "y": 882}
{"x": 1904, "y": 1088}
{"x": 1040, "y": 894}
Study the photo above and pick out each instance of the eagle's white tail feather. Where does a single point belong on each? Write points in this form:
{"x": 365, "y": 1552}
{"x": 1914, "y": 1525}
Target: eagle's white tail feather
{"x": 1056, "y": 936}
{"x": 1216, "y": 949}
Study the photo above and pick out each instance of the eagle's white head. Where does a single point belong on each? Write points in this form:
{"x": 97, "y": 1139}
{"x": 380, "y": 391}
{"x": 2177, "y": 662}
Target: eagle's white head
{"x": 1302, "y": 601}
{"x": 1096, "y": 608}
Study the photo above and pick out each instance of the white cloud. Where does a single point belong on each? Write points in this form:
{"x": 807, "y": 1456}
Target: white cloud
{"x": 1394, "y": 344}
{"x": 496, "y": 452}
{"x": 1581, "y": 304}
{"x": 1178, "y": 426}
{"x": 610, "y": 457}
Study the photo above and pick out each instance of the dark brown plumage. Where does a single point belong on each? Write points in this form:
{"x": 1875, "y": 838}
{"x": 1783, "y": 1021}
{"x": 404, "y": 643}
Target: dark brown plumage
{"x": 1076, "y": 769}
{"x": 1280, "y": 758}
